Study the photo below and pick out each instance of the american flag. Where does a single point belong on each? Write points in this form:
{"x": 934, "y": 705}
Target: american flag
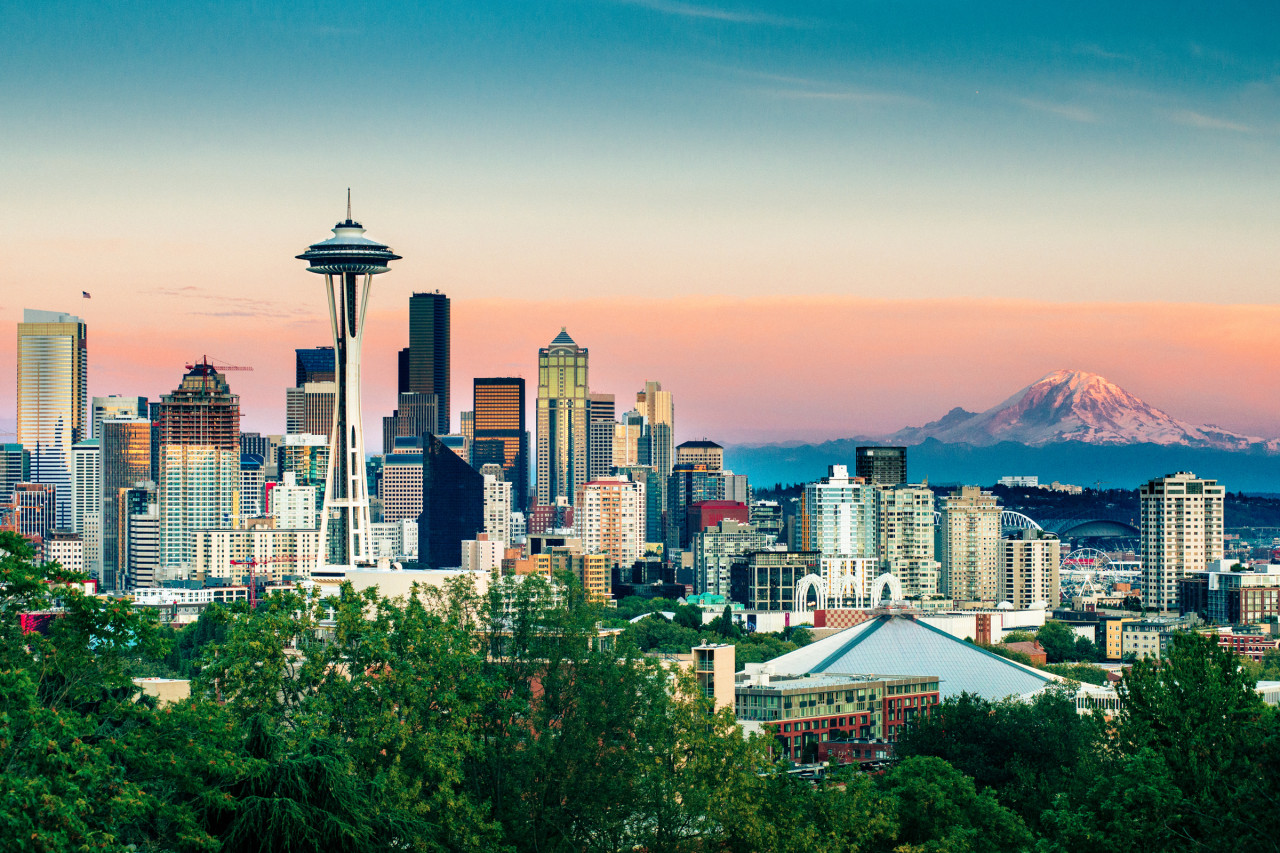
{"x": 85, "y": 294}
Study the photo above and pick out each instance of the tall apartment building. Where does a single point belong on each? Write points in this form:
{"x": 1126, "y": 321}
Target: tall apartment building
{"x": 563, "y": 413}
{"x": 220, "y": 553}
{"x": 700, "y": 452}
{"x": 53, "y": 367}
{"x": 65, "y": 548}
{"x": 126, "y": 461}
{"x": 253, "y": 485}
{"x": 498, "y": 432}
{"x": 600, "y": 431}
{"x": 716, "y": 549}
{"x": 86, "y": 501}
{"x": 905, "y": 538}
{"x": 968, "y": 544}
{"x": 654, "y": 510}
{"x": 838, "y": 516}
{"x": 294, "y": 506}
{"x": 1029, "y": 565}
{"x": 424, "y": 365}
{"x": 497, "y": 503}
{"x": 687, "y": 485}
{"x": 37, "y": 505}
{"x": 199, "y": 461}
{"x": 608, "y": 517}
{"x": 1181, "y": 532}
{"x": 881, "y": 466}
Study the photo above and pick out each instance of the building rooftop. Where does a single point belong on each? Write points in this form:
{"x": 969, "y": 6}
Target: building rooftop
{"x": 901, "y": 644}
{"x": 563, "y": 338}
{"x": 699, "y": 443}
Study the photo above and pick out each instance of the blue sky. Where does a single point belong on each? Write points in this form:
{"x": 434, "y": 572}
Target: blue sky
{"x": 1083, "y": 152}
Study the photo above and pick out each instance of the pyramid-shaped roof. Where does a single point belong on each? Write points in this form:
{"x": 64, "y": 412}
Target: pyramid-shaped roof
{"x": 563, "y": 338}
{"x": 901, "y": 645}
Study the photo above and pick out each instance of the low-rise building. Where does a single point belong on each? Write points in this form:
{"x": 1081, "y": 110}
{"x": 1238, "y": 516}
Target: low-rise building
{"x": 802, "y": 711}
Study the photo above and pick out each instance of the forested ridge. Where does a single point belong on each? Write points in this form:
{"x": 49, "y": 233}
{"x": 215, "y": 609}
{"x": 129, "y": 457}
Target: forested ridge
{"x": 457, "y": 722}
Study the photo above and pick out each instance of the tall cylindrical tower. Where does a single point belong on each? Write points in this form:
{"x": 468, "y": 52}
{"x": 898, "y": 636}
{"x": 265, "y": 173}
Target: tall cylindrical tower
{"x": 348, "y": 261}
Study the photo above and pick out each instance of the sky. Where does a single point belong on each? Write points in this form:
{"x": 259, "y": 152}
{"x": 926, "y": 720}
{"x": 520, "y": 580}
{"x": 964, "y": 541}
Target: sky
{"x": 808, "y": 220}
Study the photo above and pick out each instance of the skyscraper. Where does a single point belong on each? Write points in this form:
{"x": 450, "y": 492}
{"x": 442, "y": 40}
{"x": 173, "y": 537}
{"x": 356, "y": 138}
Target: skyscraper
{"x": 1029, "y": 566}
{"x": 659, "y": 410}
{"x": 881, "y": 466}
{"x": 600, "y": 437}
{"x": 15, "y": 467}
{"x": 428, "y": 367}
{"x": 499, "y": 433}
{"x": 452, "y": 505}
{"x": 415, "y": 414}
{"x": 115, "y": 407}
{"x": 562, "y": 419}
{"x": 313, "y": 365}
{"x": 126, "y": 461}
{"x": 86, "y": 501}
{"x": 608, "y": 517}
{"x": 1181, "y": 526}
{"x": 348, "y": 261}
{"x": 53, "y": 365}
{"x": 199, "y": 461}
{"x": 904, "y": 533}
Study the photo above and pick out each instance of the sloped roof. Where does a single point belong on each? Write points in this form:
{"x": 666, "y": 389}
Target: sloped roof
{"x": 563, "y": 338}
{"x": 904, "y": 646}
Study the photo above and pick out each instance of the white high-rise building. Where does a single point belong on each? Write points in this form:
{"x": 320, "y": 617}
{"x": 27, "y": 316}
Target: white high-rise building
{"x": 497, "y": 508}
{"x": 66, "y": 549}
{"x": 482, "y": 554}
{"x": 905, "y": 538}
{"x": 1181, "y": 533}
{"x": 838, "y": 516}
{"x": 253, "y": 483}
{"x": 609, "y": 518}
{"x": 198, "y": 487}
{"x": 401, "y": 486}
{"x": 1029, "y": 566}
{"x": 86, "y": 501}
{"x": 294, "y": 506}
{"x": 968, "y": 544}
{"x": 53, "y": 367}
{"x": 142, "y": 562}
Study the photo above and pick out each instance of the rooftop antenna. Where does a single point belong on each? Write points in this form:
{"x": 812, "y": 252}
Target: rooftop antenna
{"x": 348, "y": 204}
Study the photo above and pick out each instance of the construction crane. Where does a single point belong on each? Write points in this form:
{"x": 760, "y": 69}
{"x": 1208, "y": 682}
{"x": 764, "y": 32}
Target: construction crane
{"x": 253, "y": 563}
{"x": 204, "y": 360}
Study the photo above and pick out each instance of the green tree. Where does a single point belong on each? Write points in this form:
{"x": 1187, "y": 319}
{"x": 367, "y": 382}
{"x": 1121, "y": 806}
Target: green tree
{"x": 1059, "y": 642}
{"x": 940, "y": 809}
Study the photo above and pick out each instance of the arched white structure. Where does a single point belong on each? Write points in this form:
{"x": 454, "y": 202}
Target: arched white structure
{"x": 803, "y": 586}
{"x": 1010, "y": 520}
{"x": 877, "y": 589}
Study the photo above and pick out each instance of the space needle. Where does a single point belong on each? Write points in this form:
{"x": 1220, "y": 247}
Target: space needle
{"x": 348, "y": 261}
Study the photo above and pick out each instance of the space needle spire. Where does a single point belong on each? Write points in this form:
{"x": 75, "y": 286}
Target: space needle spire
{"x": 348, "y": 261}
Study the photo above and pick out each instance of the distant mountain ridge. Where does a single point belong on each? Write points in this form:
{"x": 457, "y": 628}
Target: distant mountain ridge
{"x": 1069, "y": 425}
{"x": 1073, "y": 405}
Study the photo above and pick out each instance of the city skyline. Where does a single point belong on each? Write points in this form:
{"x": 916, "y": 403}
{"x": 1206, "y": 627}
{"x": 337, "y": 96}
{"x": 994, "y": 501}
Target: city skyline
{"x": 634, "y": 169}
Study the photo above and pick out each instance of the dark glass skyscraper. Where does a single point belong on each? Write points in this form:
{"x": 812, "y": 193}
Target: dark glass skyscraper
{"x": 428, "y": 366}
{"x": 314, "y": 365}
{"x": 499, "y": 433}
{"x": 452, "y": 505}
{"x": 881, "y": 466}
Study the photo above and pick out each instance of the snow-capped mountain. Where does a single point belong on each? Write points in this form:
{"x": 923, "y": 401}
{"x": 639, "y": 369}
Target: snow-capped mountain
{"x": 1071, "y": 405}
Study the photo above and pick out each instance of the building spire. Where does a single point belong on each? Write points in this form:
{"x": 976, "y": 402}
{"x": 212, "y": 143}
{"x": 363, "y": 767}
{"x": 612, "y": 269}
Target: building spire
{"x": 348, "y": 204}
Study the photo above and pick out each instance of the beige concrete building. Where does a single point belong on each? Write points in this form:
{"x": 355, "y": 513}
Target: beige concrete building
{"x": 1029, "y": 564}
{"x": 1181, "y": 532}
{"x": 701, "y": 453}
{"x": 967, "y": 544}
{"x": 277, "y": 552}
{"x": 905, "y": 538}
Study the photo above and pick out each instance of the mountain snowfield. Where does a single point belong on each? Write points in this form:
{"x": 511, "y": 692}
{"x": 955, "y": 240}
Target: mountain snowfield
{"x": 1072, "y": 405}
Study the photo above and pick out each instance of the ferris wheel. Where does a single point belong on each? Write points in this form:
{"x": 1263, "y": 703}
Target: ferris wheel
{"x": 1087, "y": 561}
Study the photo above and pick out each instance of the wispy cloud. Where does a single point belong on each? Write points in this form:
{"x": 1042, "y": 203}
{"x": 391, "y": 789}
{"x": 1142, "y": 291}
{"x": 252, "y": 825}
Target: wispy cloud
{"x": 1099, "y": 52}
{"x": 856, "y": 96}
{"x": 1067, "y": 111}
{"x": 236, "y": 306}
{"x": 692, "y": 10}
{"x": 1204, "y": 122}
